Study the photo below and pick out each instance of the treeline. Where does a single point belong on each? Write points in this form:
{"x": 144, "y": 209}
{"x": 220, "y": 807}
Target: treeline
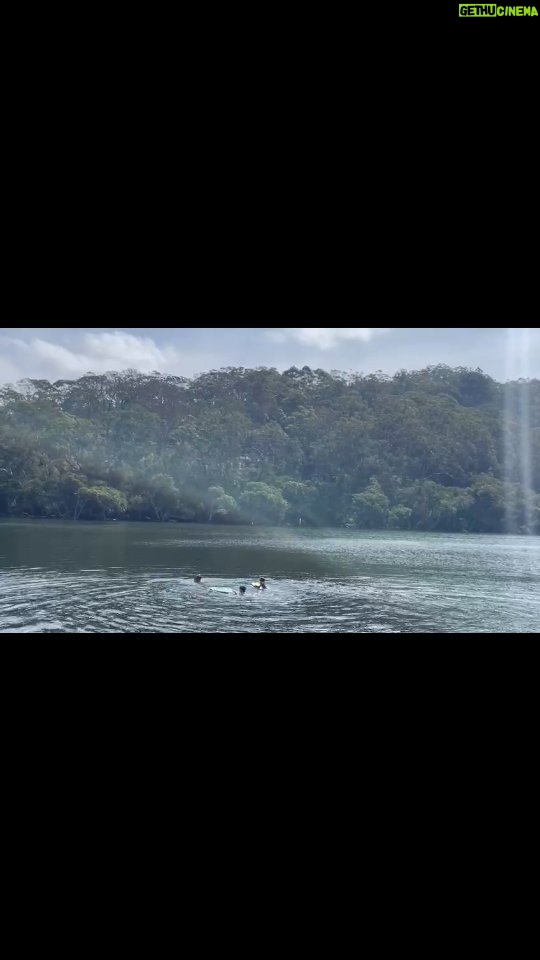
{"x": 435, "y": 449}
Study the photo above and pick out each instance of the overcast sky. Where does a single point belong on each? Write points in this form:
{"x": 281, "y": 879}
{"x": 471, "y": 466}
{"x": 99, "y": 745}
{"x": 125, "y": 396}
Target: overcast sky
{"x": 53, "y": 353}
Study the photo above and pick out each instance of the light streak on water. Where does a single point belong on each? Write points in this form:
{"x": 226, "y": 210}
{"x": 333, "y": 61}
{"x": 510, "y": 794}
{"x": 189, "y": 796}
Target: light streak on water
{"x": 519, "y": 507}
{"x": 525, "y": 432}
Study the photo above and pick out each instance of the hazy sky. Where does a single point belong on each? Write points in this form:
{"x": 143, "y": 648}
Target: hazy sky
{"x": 53, "y": 353}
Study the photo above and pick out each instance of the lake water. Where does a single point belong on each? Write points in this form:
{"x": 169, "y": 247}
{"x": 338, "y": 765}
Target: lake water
{"x": 138, "y": 577}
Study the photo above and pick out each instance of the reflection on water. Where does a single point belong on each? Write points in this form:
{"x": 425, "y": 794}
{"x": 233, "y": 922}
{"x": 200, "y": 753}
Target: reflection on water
{"x": 139, "y": 578}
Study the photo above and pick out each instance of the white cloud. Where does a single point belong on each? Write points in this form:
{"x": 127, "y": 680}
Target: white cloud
{"x": 97, "y": 352}
{"x": 112, "y": 350}
{"x": 325, "y": 337}
{"x": 58, "y": 357}
{"x": 52, "y": 353}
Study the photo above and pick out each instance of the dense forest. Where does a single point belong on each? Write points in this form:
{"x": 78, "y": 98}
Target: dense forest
{"x": 435, "y": 449}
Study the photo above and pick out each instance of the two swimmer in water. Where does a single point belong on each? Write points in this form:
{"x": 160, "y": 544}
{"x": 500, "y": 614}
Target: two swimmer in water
{"x": 260, "y": 585}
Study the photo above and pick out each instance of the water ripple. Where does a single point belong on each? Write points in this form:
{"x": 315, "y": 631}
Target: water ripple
{"x": 323, "y": 583}
{"x": 38, "y": 602}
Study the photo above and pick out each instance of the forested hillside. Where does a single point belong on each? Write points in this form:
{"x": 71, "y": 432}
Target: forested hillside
{"x": 436, "y": 449}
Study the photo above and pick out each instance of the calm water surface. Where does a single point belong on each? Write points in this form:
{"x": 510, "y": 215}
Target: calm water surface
{"x": 137, "y": 577}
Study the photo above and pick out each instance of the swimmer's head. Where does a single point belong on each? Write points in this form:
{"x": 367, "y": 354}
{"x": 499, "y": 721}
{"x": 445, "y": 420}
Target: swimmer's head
{"x": 197, "y": 578}
{"x": 241, "y": 590}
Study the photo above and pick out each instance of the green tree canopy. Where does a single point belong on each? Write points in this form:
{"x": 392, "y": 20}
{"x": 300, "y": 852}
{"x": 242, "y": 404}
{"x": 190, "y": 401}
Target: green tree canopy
{"x": 432, "y": 449}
